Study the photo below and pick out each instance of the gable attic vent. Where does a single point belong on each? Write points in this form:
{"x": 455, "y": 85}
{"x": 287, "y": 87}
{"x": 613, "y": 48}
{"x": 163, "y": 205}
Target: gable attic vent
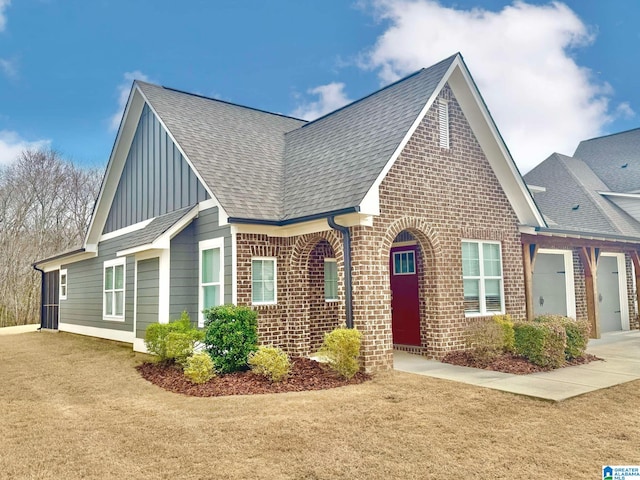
{"x": 443, "y": 120}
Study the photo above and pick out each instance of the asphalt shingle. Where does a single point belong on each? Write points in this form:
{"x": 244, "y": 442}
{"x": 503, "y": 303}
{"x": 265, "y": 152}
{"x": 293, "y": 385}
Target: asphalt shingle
{"x": 266, "y": 166}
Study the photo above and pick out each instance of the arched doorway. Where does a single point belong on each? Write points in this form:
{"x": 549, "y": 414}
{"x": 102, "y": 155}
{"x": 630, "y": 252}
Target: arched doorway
{"x": 404, "y": 274}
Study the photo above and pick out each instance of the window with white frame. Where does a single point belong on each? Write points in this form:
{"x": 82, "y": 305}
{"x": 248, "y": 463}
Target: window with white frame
{"x": 114, "y": 289}
{"x": 63, "y": 284}
{"x": 211, "y": 275}
{"x": 443, "y": 121}
{"x": 330, "y": 280}
{"x": 482, "y": 277}
{"x": 263, "y": 281}
{"x": 404, "y": 263}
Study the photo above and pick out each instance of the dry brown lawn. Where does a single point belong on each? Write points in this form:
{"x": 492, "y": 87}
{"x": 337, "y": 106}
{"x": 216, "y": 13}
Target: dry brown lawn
{"x": 75, "y": 407}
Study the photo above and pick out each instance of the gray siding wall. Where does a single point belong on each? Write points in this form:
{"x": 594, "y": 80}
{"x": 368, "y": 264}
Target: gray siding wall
{"x": 156, "y": 178}
{"x": 147, "y": 294}
{"x": 184, "y": 263}
{"x": 83, "y": 305}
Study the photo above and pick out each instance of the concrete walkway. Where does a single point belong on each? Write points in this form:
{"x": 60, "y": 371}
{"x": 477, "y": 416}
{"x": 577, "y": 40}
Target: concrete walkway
{"x": 620, "y": 351}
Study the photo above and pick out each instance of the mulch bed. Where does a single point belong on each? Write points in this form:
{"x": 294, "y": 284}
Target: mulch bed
{"x": 305, "y": 375}
{"x": 508, "y": 363}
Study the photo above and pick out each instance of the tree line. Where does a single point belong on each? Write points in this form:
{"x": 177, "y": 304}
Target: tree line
{"x": 46, "y": 203}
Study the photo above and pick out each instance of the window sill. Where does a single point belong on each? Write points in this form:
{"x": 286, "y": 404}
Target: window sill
{"x": 331, "y": 300}
{"x": 113, "y": 319}
{"x": 481, "y": 314}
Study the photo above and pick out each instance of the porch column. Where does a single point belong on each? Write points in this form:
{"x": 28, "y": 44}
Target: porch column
{"x": 529, "y": 251}
{"x": 589, "y": 256}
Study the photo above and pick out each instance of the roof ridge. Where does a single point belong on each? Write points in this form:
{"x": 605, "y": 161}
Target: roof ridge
{"x": 204, "y": 97}
{"x": 407, "y": 77}
{"x": 596, "y": 198}
{"x": 609, "y": 135}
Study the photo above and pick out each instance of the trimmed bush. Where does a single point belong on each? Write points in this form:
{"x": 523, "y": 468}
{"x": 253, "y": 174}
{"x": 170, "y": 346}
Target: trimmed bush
{"x": 180, "y": 345}
{"x": 508, "y": 335}
{"x": 157, "y": 337}
{"x": 577, "y": 332}
{"x": 484, "y": 339}
{"x": 541, "y": 343}
{"x": 199, "y": 368}
{"x": 270, "y": 362}
{"x": 342, "y": 348}
{"x": 231, "y": 334}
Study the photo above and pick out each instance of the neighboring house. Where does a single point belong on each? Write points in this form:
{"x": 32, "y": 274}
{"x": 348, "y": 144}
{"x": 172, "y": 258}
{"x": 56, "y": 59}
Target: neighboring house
{"x": 399, "y": 214}
{"x": 588, "y": 265}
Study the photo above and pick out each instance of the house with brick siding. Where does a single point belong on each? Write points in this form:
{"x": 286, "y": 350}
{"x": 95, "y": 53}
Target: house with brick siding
{"x": 585, "y": 262}
{"x": 400, "y": 214}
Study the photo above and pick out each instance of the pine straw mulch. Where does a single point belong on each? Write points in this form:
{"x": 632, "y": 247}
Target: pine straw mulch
{"x": 305, "y": 375}
{"x": 508, "y": 363}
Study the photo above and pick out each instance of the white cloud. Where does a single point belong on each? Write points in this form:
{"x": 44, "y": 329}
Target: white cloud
{"x": 3, "y": 17}
{"x": 624, "y": 110}
{"x": 11, "y": 144}
{"x": 520, "y": 57}
{"x": 123, "y": 95}
{"x": 8, "y": 68}
{"x": 330, "y": 98}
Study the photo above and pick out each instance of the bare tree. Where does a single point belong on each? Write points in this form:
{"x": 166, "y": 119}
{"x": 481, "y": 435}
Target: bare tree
{"x": 45, "y": 207}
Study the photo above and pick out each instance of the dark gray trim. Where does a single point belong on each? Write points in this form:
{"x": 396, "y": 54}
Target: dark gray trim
{"x": 348, "y": 290}
{"x": 291, "y": 221}
{"x": 56, "y": 257}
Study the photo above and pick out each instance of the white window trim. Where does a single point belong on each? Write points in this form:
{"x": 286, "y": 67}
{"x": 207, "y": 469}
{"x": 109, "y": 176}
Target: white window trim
{"x": 331, "y": 300}
{"x": 275, "y": 280}
{"x": 413, "y": 253}
{"x": 481, "y": 291}
{"x": 112, "y": 263}
{"x": 202, "y": 246}
{"x": 66, "y": 284}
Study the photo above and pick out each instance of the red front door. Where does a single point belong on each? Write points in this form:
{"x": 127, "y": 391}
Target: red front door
{"x": 405, "y": 304}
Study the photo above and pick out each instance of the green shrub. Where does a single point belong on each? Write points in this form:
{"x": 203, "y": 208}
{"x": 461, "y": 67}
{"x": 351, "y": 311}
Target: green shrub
{"x": 541, "y": 343}
{"x": 270, "y": 362}
{"x": 508, "y": 335}
{"x": 157, "y": 336}
{"x": 341, "y": 347}
{"x": 180, "y": 345}
{"x": 231, "y": 335}
{"x": 484, "y": 340}
{"x": 199, "y": 368}
{"x": 577, "y": 332}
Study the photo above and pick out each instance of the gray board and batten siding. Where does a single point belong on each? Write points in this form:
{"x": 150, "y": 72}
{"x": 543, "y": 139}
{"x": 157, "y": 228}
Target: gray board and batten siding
{"x": 156, "y": 178}
{"x": 83, "y": 305}
{"x": 185, "y": 256}
{"x": 147, "y": 296}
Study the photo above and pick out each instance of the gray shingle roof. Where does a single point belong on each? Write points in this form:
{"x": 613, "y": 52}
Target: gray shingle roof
{"x": 237, "y": 150}
{"x": 156, "y": 227}
{"x": 332, "y": 162}
{"x": 570, "y": 183}
{"x": 265, "y": 166}
{"x": 607, "y": 155}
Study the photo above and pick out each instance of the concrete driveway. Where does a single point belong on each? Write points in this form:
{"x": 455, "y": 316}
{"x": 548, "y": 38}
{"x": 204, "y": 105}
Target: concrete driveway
{"x": 620, "y": 352}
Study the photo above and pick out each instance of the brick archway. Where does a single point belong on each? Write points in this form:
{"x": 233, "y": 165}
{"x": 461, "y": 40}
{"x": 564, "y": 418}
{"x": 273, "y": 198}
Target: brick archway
{"x": 427, "y": 252}
{"x": 306, "y": 317}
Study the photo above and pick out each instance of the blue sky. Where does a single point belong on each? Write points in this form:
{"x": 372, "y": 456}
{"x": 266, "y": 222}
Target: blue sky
{"x": 551, "y": 73}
